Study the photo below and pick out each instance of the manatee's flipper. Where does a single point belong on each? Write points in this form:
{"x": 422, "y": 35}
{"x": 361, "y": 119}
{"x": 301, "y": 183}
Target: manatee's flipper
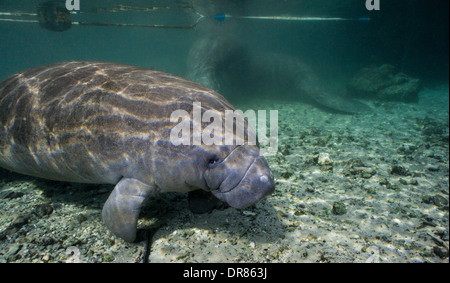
{"x": 202, "y": 202}
{"x": 121, "y": 210}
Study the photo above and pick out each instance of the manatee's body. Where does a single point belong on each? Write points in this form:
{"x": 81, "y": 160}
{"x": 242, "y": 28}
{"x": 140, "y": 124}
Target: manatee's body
{"x": 225, "y": 64}
{"x": 94, "y": 122}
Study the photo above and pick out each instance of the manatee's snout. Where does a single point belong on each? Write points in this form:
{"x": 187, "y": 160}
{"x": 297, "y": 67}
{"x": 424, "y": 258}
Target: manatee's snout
{"x": 255, "y": 183}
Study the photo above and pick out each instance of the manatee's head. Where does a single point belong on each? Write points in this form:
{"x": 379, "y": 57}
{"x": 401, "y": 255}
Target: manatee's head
{"x": 241, "y": 178}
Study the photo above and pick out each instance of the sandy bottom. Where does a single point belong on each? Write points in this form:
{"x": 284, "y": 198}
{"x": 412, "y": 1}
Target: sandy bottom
{"x": 361, "y": 188}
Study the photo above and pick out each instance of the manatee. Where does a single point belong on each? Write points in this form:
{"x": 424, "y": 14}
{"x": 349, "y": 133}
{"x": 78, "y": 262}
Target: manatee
{"x": 98, "y": 122}
{"x": 225, "y": 64}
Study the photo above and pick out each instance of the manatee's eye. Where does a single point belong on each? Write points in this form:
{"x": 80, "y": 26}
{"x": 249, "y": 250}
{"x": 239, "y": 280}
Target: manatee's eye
{"x": 213, "y": 160}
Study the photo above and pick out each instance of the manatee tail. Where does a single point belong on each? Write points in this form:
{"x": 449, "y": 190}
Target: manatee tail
{"x": 335, "y": 103}
{"x": 287, "y": 69}
{"x": 310, "y": 86}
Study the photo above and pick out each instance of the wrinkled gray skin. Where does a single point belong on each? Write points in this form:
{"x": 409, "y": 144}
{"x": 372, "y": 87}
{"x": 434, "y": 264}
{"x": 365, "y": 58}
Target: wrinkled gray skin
{"x": 92, "y": 122}
{"x": 223, "y": 63}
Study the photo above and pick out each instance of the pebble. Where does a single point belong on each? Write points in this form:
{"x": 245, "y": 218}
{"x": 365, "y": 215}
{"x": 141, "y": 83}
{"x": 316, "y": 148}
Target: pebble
{"x": 284, "y": 151}
{"x": 399, "y": 170}
{"x": 13, "y": 249}
{"x": 440, "y": 252}
{"x": 365, "y": 173}
{"x": 248, "y": 213}
{"x": 46, "y": 241}
{"x": 46, "y": 258}
{"x": 288, "y": 173}
{"x": 43, "y": 210}
{"x": 80, "y": 218}
{"x": 20, "y": 221}
{"x": 324, "y": 159}
{"x": 437, "y": 200}
{"x": 10, "y": 194}
{"x": 339, "y": 208}
{"x": 108, "y": 258}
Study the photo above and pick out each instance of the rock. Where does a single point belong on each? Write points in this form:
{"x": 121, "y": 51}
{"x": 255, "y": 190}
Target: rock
{"x": 406, "y": 90}
{"x": 43, "y": 210}
{"x": 443, "y": 234}
{"x": 288, "y": 173}
{"x": 324, "y": 159}
{"x": 355, "y": 162}
{"x": 437, "y": 200}
{"x": 108, "y": 258}
{"x": 427, "y": 199}
{"x": 407, "y": 149}
{"x": 339, "y": 208}
{"x": 248, "y": 213}
{"x": 365, "y": 173}
{"x": 285, "y": 149}
{"x": 432, "y": 168}
{"x": 13, "y": 249}
{"x": 392, "y": 187}
{"x": 299, "y": 212}
{"x": 399, "y": 170}
{"x": 20, "y": 221}
{"x": 326, "y": 168}
{"x": 46, "y": 258}
{"x": 315, "y": 159}
{"x": 384, "y": 83}
{"x": 80, "y": 218}
{"x": 440, "y": 252}
{"x": 45, "y": 241}
{"x": 10, "y": 194}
